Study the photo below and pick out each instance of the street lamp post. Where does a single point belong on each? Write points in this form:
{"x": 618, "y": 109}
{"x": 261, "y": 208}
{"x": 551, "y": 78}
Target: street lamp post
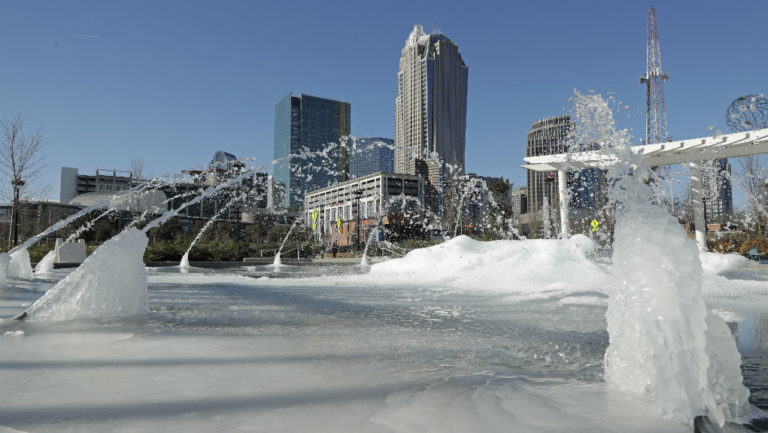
{"x": 358, "y": 193}
{"x": 17, "y": 184}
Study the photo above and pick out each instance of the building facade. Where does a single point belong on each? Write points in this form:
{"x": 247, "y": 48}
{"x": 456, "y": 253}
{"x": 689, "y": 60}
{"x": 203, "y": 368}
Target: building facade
{"x": 519, "y": 200}
{"x": 309, "y": 124}
{"x": 718, "y": 191}
{"x": 371, "y": 155}
{"x": 546, "y": 137}
{"x": 337, "y": 212}
{"x": 104, "y": 181}
{"x": 586, "y": 188}
{"x": 431, "y": 103}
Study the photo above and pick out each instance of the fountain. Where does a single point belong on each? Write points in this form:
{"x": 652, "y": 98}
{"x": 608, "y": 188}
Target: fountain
{"x": 474, "y": 349}
{"x": 45, "y": 266}
{"x": 111, "y": 282}
{"x": 278, "y": 262}
{"x": 664, "y": 342}
{"x": 546, "y": 219}
{"x": 21, "y": 261}
{"x": 184, "y": 263}
{"x": 371, "y": 236}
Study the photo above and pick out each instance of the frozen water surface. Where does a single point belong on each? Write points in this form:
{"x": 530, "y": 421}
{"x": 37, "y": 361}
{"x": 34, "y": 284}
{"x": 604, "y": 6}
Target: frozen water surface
{"x": 464, "y": 348}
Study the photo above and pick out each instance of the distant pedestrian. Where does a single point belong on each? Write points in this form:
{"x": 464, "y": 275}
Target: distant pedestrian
{"x": 334, "y": 249}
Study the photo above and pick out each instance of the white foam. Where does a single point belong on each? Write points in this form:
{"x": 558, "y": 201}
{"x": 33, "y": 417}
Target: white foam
{"x": 111, "y": 283}
{"x": 531, "y": 266}
{"x": 716, "y": 263}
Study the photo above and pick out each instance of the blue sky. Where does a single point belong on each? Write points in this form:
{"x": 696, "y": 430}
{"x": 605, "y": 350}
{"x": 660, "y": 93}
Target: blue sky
{"x": 173, "y": 81}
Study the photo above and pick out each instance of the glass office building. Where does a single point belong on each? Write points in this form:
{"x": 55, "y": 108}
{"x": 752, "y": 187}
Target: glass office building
{"x": 308, "y": 124}
{"x": 371, "y": 155}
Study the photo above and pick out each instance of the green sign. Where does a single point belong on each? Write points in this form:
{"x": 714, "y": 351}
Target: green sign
{"x": 594, "y": 224}
{"x": 338, "y": 224}
{"x": 314, "y": 219}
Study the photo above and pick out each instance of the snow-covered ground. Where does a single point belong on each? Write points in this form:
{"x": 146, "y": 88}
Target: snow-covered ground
{"x": 504, "y": 336}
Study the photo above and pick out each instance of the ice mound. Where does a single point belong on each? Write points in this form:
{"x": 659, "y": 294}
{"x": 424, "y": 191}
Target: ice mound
{"x": 5, "y": 260}
{"x": 664, "y": 343}
{"x": 111, "y": 282}
{"x": 20, "y": 266}
{"x": 511, "y": 266}
{"x": 45, "y": 266}
{"x": 184, "y": 263}
{"x": 716, "y": 263}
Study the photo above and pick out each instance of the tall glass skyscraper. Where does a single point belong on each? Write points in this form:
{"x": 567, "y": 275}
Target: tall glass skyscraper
{"x": 371, "y": 155}
{"x": 308, "y": 123}
{"x": 431, "y": 104}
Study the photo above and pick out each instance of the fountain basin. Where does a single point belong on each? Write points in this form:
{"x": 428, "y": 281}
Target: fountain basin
{"x": 224, "y": 351}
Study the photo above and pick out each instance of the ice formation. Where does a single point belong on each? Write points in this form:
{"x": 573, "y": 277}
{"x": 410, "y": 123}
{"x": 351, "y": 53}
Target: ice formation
{"x": 532, "y": 266}
{"x": 45, "y": 266}
{"x": 714, "y": 263}
{"x": 664, "y": 342}
{"x": 111, "y": 283}
{"x": 184, "y": 263}
{"x": 5, "y": 260}
{"x": 20, "y": 266}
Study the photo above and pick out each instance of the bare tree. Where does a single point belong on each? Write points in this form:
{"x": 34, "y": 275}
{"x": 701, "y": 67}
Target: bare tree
{"x": 137, "y": 169}
{"x": 20, "y": 164}
{"x": 751, "y": 177}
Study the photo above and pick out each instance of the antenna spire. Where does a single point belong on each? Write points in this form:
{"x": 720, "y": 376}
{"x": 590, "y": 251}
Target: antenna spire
{"x": 654, "y": 78}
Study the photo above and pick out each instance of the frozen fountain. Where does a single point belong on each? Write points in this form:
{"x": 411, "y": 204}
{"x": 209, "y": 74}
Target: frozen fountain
{"x": 45, "y": 266}
{"x": 464, "y": 335}
{"x": 665, "y": 343}
{"x": 546, "y": 219}
{"x": 278, "y": 262}
{"x": 110, "y": 283}
{"x": 184, "y": 263}
{"x": 371, "y": 237}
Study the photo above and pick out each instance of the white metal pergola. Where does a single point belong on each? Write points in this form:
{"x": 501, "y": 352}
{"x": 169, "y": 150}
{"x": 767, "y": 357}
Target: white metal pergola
{"x": 654, "y": 155}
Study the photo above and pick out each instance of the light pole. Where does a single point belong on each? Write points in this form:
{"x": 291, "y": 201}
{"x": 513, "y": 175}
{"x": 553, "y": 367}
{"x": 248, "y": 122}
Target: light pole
{"x": 358, "y": 193}
{"x": 17, "y": 184}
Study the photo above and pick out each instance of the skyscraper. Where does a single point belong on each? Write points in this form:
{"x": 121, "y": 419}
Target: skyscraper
{"x": 546, "y": 137}
{"x": 313, "y": 124}
{"x": 549, "y": 136}
{"x": 431, "y": 104}
{"x": 718, "y": 192}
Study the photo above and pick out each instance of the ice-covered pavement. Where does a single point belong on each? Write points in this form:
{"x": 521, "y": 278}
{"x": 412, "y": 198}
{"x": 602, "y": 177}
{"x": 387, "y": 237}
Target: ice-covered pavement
{"x": 219, "y": 351}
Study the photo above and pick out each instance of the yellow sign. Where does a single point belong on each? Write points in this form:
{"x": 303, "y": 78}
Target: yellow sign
{"x": 338, "y": 224}
{"x": 314, "y": 219}
{"x": 594, "y": 225}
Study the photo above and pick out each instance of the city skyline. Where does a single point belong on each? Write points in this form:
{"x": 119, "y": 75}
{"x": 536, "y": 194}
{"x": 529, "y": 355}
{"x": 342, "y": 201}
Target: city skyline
{"x": 114, "y": 82}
